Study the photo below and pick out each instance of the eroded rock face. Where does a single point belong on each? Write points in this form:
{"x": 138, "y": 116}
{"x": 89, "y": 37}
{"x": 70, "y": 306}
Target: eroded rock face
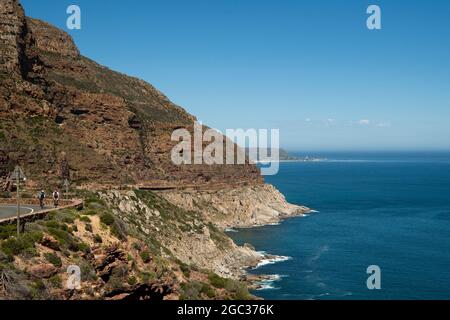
{"x": 43, "y": 271}
{"x": 244, "y": 206}
{"x": 114, "y": 129}
{"x": 12, "y": 41}
{"x": 5, "y": 168}
{"x": 51, "y": 39}
{"x": 110, "y": 261}
{"x": 194, "y": 243}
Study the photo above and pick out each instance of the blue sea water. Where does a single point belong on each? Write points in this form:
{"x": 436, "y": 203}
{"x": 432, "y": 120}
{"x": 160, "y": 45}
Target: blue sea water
{"x": 391, "y": 210}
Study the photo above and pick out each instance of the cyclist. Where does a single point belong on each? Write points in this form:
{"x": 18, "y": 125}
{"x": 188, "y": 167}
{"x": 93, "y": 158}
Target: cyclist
{"x": 56, "y": 198}
{"x": 41, "y": 197}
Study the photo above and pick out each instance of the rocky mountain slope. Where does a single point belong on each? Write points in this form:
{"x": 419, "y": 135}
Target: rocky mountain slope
{"x": 58, "y": 107}
{"x": 64, "y": 116}
{"x": 128, "y": 245}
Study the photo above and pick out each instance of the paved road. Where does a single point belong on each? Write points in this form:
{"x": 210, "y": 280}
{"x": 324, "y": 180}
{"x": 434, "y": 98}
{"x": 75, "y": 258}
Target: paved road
{"x": 7, "y": 211}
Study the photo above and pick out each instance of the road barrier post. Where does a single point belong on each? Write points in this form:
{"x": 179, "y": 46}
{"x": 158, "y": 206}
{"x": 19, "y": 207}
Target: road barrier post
{"x": 18, "y": 206}
{"x": 18, "y": 175}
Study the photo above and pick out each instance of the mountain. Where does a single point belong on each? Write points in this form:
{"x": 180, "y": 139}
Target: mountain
{"x": 59, "y": 108}
{"x": 149, "y": 229}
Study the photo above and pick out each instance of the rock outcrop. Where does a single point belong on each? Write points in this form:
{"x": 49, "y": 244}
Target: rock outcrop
{"x": 187, "y": 235}
{"x": 13, "y": 37}
{"x": 241, "y": 207}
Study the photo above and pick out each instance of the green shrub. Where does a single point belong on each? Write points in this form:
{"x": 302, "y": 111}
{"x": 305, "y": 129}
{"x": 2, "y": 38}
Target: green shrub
{"x": 80, "y": 246}
{"x": 66, "y": 216}
{"x": 56, "y": 282}
{"x": 12, "y": 247}
{"x": 38, "y": 285}
{"x": 238, "y": 290}
{"x": 217, "y": 281}
{"x": 7, "y": 231}
{"x": 119, "y": 230}
{"x": 63, "y": 237}
{"x": 53, "y": 224}
{"x": 207, "y": 290}
{"x": 145, "y": 256}
{"x": 107, "y": 218}
{"x": 195, "y": 290}
{"x": 24, "y": 244}
{"x": 53, "y": 259}
{"x": 87, "y": 271}
{"x": 85, "y": 219}
{"x": 132, "y": 281}
{"x": 185, "y": 269}
{"x": 92, "y": 202}
{"x": 98, "y": 239}
{"x": 88, "y": 227}
{"x": 90, "y": 212}
{"x": 148, "y": 276}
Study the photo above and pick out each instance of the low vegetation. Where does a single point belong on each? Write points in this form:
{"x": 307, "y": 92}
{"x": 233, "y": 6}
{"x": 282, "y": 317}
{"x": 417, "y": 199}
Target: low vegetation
{"x": 70, "y": 237}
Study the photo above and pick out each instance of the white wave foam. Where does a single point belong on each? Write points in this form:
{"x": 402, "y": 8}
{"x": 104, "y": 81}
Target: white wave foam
{"x": 269, "y": 283}
{"x": 230, "y": 230}
{"x": 271, "y": 260}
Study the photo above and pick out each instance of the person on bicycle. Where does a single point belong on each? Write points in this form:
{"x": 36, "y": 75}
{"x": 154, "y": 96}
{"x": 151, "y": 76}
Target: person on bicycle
{"x": 41, "y": 197}
{"x": 56, "y": 198}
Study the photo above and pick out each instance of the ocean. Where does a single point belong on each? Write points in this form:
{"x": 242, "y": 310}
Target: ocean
{"x": 391, "y": 210}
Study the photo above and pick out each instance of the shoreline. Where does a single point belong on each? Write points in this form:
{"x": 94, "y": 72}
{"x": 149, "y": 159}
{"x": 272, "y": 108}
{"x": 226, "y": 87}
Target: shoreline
{"x": 257, "y": 282}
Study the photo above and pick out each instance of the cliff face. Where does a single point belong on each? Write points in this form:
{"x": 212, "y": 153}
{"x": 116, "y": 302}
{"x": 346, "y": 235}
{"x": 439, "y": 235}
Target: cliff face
{"x": 184, "y": 232}
{"x": 64, "y": 116}
{"x": 13, "y": 38}
{"x": 113, "y": 129}
{"x": 242, "y": 207}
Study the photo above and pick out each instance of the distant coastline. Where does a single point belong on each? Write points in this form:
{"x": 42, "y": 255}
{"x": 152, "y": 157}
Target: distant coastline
{"x": 283, "y": 156}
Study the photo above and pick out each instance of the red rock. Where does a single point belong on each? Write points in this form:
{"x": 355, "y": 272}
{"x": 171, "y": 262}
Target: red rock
{"x": 43, "y": 271}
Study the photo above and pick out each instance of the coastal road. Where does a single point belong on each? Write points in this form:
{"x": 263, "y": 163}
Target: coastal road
{"x": 9, "y": 211}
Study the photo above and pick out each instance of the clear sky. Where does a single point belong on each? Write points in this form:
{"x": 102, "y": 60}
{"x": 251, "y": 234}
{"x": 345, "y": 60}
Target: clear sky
{"x": 310, "y": 68}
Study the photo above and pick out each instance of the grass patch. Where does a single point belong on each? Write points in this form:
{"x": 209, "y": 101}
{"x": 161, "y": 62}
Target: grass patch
{"x": 196, "y": 290}
{"x": 24, "y": 244}
{"x": 53, "y": 259}
{"x": 85, "y": 219}
{"x": 217, "y": 281}
{"x": 7, "y": 231}
{"x": 145, "y": 256}
{"x": 107, "y": 218}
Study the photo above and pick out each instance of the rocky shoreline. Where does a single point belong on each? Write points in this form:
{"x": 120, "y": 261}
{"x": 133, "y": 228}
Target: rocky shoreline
{"x": 241, "y": 208}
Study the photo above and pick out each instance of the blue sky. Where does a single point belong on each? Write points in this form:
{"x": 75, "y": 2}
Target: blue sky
{"x": 310, "y": 68}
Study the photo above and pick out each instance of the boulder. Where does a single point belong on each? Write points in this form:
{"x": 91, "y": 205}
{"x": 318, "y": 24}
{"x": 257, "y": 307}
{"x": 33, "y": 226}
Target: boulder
{"x": 43, "y": 271}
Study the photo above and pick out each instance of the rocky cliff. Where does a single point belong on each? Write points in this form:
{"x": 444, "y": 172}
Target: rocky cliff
{"x": 113, "y": 129}
{"x": 242, "y": 207}
{"x": 64, "y": 116}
